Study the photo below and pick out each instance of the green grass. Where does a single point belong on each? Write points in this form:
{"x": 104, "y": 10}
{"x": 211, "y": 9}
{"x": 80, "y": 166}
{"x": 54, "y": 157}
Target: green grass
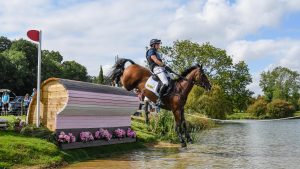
{"x": 12, "y": 118}
{"x": 297, "y": 113}
{"x": 240, "y": 116}
{"x": 16, "y": 149}
{"x": 31, "y": 148}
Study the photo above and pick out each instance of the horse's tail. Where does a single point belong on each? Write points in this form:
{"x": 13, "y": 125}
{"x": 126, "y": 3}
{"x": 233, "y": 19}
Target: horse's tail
{"x": 118, "y": 69}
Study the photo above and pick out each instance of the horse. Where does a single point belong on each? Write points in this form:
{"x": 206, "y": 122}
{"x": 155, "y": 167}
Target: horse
{"x": 135, "y": 76}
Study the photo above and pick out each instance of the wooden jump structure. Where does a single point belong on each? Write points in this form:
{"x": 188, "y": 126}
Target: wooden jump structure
{"x": 73, "y": 106}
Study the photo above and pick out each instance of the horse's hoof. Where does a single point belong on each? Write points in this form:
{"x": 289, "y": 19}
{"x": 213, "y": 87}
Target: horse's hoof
{"x": 183, "y": 144}
{"x": 190, "y": 141}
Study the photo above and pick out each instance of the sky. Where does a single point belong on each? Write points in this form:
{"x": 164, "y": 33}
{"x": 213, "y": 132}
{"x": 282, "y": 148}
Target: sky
{"x": 264, "y": 34}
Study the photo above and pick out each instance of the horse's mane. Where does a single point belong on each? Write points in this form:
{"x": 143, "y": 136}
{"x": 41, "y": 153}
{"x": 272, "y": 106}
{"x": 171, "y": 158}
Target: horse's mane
{"x": 188, "y": 70}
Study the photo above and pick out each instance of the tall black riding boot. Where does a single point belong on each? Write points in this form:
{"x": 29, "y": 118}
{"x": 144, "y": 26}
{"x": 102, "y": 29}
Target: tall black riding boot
{"x": 162, "y": 91}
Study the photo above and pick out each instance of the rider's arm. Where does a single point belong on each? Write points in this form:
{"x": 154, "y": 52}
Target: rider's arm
{"x": 154, "y": 58}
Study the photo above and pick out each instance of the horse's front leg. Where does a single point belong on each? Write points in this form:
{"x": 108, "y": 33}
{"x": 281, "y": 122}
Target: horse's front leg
{"x": 185, "y": 130}
{"x": 178, "y": 128}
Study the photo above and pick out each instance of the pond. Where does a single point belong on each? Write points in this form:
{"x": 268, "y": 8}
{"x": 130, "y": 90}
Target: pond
{"x": 238, "y": 144}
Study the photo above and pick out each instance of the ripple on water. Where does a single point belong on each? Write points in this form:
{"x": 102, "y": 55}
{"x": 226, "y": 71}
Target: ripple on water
{"x": 249, "y": 144}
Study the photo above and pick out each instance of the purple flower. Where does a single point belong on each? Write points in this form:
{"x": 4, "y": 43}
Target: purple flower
{"x": 86, "y": 136}
{"x": 103, "y": 134}
{"x": 63, "y": 138}
{"x": 119, "y": 133}
{"x": 130, "y": 133}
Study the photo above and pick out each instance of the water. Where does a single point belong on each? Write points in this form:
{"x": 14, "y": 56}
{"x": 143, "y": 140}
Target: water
{"x": 245, "y": 144}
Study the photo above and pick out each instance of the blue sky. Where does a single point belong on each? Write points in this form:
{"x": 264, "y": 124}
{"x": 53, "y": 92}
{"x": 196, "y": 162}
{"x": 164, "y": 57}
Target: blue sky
{"x": 265, "y": 33}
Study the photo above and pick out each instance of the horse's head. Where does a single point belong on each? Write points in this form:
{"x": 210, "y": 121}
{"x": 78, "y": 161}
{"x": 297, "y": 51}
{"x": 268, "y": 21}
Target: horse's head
{"x": 201, "y": 78}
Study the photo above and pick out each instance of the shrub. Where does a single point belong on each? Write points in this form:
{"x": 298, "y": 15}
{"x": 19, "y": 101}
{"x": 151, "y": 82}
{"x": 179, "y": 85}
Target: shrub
{"x": 163, "y": 125}
{"x": 280, "y": 108}
{"x": 258, "y": 108}
{"x": 214, "y": 104}
{"x": 40, "y": 132}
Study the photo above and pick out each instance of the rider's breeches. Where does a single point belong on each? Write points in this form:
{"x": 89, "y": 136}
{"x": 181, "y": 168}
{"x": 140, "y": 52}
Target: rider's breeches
{"x": 162, "y": 75}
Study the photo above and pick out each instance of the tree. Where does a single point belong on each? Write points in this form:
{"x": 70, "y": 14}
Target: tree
{"x": 101, "y": 76}
{"x": 51, "y": 64}
{"x": 258, "y": 108}
{"x": 20, "y": 68}
{"x": 214, "y": 104}
{"x": 8, "y": 74}
{"x": 232, "y": 79}
{"x": 74, "y": 71}
{"x": 239, "y": 79}
{"x": 4, "y": 43}
{"x": 30, "y": 52}
{"x": 281, "y": 83}
{"x": 280, "y": 108}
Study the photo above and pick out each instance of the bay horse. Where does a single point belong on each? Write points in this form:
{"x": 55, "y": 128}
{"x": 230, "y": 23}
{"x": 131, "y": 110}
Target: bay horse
{"x": 135, "y": 76}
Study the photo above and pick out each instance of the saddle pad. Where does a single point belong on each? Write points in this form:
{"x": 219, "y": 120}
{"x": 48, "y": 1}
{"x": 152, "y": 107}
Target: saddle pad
{"x": 152, "y": 85}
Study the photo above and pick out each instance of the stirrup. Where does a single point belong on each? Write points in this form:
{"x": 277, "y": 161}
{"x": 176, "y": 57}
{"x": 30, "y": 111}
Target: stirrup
{"x": 158, "y": 102}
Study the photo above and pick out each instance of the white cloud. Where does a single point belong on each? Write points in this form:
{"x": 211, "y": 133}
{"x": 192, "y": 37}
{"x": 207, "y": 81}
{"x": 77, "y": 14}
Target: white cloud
{"x": 220, "y": 22}
{"x": 93, "y": 32}
{"x": 284, "y": 52}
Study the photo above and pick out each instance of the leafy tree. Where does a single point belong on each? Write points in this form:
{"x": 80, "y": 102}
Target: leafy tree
{"x": 51, "y": 64}
{"x": 280, "y": 108}
{"x": 101, "y": 76}
{"x": 74, "y": 71}
{"x": 281, "y": 83}
{"x": 21, "y": 70}
{"x": 258, "y": 108}
{"x": 4, "y": 43}
{"x": 29, "y": 49}
{"x": 8, "y": 74}
{"x": 30, "y": 52}
{"x": 53, "y": 55}
{"x": 232, "y": 79}
{"x": 239, "y": 79}
{"x": 213, "y": 104}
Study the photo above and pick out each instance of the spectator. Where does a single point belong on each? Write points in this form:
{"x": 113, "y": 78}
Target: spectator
{"x": 33, "y": 92}
{"x": 5, "y": 101}
{"x": 26, "y": 101}
{"x": 0, "y": 106}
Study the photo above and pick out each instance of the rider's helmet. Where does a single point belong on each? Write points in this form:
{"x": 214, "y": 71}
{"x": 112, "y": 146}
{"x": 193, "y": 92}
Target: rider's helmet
{"x": 154, "y": 41}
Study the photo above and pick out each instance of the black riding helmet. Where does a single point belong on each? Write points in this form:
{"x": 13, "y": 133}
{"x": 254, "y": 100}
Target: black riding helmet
{"x": 155, "y": 41}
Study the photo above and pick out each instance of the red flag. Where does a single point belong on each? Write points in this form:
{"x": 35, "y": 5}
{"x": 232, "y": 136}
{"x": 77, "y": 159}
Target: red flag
{"x": 34, "y": 35}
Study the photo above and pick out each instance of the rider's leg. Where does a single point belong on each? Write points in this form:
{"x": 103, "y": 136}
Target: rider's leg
{"x": 161, "y": 73}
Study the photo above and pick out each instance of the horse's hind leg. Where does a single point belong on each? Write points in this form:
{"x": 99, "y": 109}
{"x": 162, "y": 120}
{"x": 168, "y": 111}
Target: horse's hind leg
{"x": 146, "y": 108}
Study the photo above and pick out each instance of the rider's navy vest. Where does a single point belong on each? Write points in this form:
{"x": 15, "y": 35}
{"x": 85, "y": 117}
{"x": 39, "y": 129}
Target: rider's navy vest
{"x": 149, "y": 53}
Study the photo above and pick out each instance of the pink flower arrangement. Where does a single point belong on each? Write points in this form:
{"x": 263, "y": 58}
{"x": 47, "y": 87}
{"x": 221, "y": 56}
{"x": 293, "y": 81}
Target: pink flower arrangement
{"x": 130, "y": 133}
{"x": 119, "y": 133}
{"x": 66, "y": 138}
{"x": 86, "y": 136}
{"x": 103, "y": 134}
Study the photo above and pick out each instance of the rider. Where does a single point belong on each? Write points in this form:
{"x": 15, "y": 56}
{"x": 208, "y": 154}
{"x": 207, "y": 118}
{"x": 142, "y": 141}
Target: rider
{"x": 157, "y": 66}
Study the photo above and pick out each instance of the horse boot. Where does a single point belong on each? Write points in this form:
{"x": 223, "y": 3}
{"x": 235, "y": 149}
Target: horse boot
{"x": 162, "y": 91}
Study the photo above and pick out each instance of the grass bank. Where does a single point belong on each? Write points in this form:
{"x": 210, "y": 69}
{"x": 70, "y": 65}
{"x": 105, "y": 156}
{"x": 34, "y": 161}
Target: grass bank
{"x": 34, "y": 149}
{"x": 247, "y": 116}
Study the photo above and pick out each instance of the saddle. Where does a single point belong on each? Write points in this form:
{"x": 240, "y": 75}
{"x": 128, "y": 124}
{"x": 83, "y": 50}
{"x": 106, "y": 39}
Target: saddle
{"x": 153, "y": 84}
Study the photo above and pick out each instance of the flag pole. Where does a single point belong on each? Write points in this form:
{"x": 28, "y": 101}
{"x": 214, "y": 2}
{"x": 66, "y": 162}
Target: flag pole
{"x": 39, "y": 80}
